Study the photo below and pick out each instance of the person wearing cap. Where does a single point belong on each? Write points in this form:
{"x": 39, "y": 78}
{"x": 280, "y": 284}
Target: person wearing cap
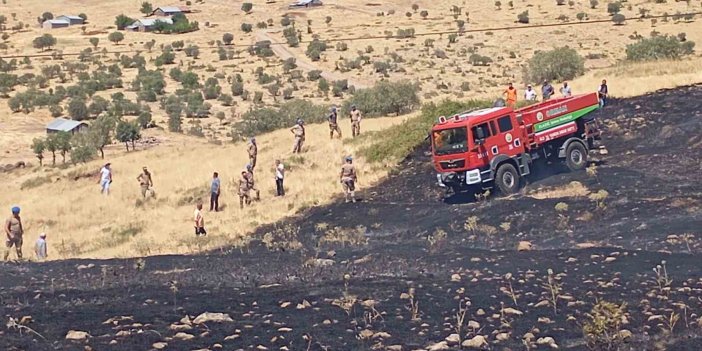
{"x": 244, "y": 189}
{"x": 347, "y": 177}
{"x": 40, "y": 248}
{"x": 279, "y": 176}
{"x": 546, "y": 90}
{"x": 529, "y": 93}
{"x": 13, "y": 234}
{"x": 511, "y": 94}
{"x": 299, "y": 131}
{"x": 250, "y": 176}
{"x": 105, "y": 179}
{"x": 253, "y": 152}
{"x": 145, "y": 181}
{"x": 333, "y": 125}
{"x": 355, "y": 121}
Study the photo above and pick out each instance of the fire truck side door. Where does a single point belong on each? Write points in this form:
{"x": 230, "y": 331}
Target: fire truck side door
{"x": 507, "y": 138}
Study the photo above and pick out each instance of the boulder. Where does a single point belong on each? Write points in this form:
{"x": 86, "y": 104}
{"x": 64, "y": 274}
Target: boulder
{"x": 524, "y": 246}
{"x": 212, "y": 317}
{"x": 77, "y": 335}
{"x": 439, "y": 346}
{"x": 477, "y": 342}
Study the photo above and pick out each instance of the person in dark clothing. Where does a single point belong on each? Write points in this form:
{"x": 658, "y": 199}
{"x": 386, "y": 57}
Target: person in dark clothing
{"x": 214, "y": 192}
{"x": 547, "y": 90}
{"x": 603, "y": 93}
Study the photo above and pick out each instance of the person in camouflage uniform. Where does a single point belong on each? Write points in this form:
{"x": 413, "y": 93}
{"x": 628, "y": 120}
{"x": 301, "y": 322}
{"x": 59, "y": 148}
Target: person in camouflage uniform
{"x": 333, "y": 123}
{"x": 244, "y": 189}
{"x": 299, "y": 131}
{"x": 348, "y": 178}
{"x": 253, "y": 152}
{"x": 252, "y": 185}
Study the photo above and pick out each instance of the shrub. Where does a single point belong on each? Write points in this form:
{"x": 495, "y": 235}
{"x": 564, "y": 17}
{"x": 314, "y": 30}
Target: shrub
{"x": 146, "y": 8}
{"x": 341, "y": 46}
{"x": 385, "y": 98}
{"x": 246, "y": 7}
{"x": 45, "y": 41}
{"x": 399, "y": 141}
{"x": 246, "y": 27}
{"x": 614, "y": 7}
{"x": 603, "y": 329}
{"x": 264, "y": 120}
{"x": 523, "y": 17}
{"x": 560, "y": 64}
{"x": 314, "y": 74}
{"x": 659, "y": 47}
{"x": 192, "y": 51}
{"x": 594, "y": 3}
{"x": 122, "y": 21}
{"x": 424, "y": 14}
{"x": 581, "y": 16}
{"x": 618, "y": 19}
{"x": 78, "y": 110}
{"x": 115, "y": 37}
{"x": 285, "y": 21}
{"x": 227, "y": 38}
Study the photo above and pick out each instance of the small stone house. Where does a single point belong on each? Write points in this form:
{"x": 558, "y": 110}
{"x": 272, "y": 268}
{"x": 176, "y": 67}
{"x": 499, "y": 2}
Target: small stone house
{"x": 66, "y": 125}
{"x": 55, "y": 23}
{"x": 167, "y": 11}
{"x": 72, "y": 20}
{"x": 147, "y": 24}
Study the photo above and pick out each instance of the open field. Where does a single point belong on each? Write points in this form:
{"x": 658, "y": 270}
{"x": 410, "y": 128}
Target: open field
{"x": 402, "y": 270}
{"x": 81, "y": 223}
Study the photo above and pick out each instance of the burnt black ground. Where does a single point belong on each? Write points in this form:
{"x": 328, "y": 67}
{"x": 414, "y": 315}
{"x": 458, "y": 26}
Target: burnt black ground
{"x": 652, "y": 174}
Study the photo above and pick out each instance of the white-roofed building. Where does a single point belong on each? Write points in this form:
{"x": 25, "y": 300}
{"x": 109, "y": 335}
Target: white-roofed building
{"x": 147, "y": 24}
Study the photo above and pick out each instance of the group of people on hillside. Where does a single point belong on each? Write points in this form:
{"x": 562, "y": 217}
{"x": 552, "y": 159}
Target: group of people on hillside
{"x": 547, "y": 92}
{"x": 14, "y": 233}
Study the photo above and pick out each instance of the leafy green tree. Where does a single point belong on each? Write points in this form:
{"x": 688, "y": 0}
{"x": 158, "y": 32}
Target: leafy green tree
{"x": 127, "y": 132}
{"x": 47, "y": 16}
{"x": 77, "y": 109}
{"x": 144, "y": 119}
{"x": 146, "y": 8}
{"x": 45, "y": 41}
{"x": 123, "y": 21}
{"x": 212, "y": 90}
{"x": 237, "y": 88}
{"x": 38, "y": 147}
{"x": 94, "y": 42}
{"x": 115, "y": 37}
{"x": 613, "y": 8}
{"x": 189, "y": 80}
{"x": 618, "y": 19}
{"x": 100, "y": 133}
{"x": 82, "y": 148}
{"x": 323, "y": 86}
{"x": 83, "y": 16}
{"x": 98, "y": 106}
{"x": 63, "y": 144}
{"x": 659, "y": 47}
{"x": 560, "y": 64}
{"x": 385, "y": 98}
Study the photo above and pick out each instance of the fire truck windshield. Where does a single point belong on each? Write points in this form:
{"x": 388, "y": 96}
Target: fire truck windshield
{"x": 450, "y": 141}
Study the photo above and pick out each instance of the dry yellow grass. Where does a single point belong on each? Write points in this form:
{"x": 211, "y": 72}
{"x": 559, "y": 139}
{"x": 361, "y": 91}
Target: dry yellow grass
{"x": 80, "y": 222}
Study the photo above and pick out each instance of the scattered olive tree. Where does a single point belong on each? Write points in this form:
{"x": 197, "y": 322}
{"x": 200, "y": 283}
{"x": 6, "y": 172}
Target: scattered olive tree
{"x": 562, "y": 63}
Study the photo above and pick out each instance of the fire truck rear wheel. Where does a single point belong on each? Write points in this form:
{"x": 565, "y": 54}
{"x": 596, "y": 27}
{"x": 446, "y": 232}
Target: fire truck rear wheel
{"x": 576, "y": 156}
{"x": 507, "y": 179}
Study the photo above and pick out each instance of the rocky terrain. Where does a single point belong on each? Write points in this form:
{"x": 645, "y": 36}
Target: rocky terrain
{"x": 403, "y": 270}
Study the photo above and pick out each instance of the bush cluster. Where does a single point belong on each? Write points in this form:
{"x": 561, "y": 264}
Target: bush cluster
{"x": 267, "y": 119}
{"x": 562, "y": 63}
{"x": 385, "y": 98}
{"x": 659, "y": 47}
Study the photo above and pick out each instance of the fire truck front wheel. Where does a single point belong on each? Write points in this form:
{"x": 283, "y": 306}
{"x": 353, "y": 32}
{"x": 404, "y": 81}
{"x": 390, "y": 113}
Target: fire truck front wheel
{"x": 576, "y": 156}
{"x": 507, "y": 179}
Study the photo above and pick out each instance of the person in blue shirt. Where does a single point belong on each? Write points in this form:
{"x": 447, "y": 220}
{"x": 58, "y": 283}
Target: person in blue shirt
{"x": 214, "y": 192}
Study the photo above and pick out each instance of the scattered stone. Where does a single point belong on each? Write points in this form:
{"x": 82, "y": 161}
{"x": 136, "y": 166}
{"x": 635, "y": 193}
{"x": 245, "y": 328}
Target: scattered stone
{"x": 123, "y": 333}
{"x": 502, "y": 336}
{"x": 542, "y": 303}
{"x": 456, "y": 277}
{"x": 322, "y": 262}
{"x": 547, "y": 341}
{"x": 25, "y": 320}
{"x": 217, "y": 346}
{"x": 77, "y": 335}
{"x": 610, "y": 259}
{"x": 394, "y": 348}
{"x": 440, "y": 346}
{"x": 524, "y": 246}
{"x": 453, "y": 339}
{"x": 285, "y": 304}
{"x": 625, "y": 334}
{"x": 81, "y": 267}
{"x": 480, "y": 312}
{"x": 180, "y": 327}
{"x": 186, "y": 320}
{"x": 476, "y": 342}
{"x": 183, "y": 336}
{"x": 284, "y": 330}
{"x": 382, "y": 335}
{"x": 159, "y": 345}
{"x": 545, "y": 320}
{"x": 212, "y": 317}
{"x": 113, "y": 342}
{"x": 326, "y": 322}
{"x": 585, "y": 245}
{"x": 571, "y": 260}
{"x": 261, "y": 347}
{"x": 473, "y": 325}
{"x": 510, "y": 310}
{"x": 365, "y": 334}
{"x": 304, "y": 304}
{"x": 232, "y": 337}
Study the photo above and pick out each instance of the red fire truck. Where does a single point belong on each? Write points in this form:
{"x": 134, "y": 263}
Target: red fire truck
{"x": 498, "y": 146}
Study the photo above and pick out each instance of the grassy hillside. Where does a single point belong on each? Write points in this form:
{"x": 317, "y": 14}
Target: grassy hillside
{"x": 82, "y": 223}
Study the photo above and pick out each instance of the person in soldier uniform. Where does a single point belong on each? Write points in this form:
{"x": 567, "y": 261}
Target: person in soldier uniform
{"x": 355, "y": 121}
{"x": 299, "y": 131}
{"x": 244, "y": 189}
{"x": 253, "y": 152}
{"x": 348, "y": 178}
{"x": 250, "y": 175}
{"x": 333, "y": 125}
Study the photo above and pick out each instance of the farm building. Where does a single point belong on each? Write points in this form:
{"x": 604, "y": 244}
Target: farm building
{"x": 170, "y": 10}
{"x": 306, "y": 3}
{"x": 72, "y": 20}
{"x": 66, "y": 125}
{"x": 55, "y": 23}
{"x": 147, "y": 24}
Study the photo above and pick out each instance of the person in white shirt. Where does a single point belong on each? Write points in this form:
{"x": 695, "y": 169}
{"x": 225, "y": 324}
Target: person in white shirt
{"x": 199, "y": 220}
{"x": 565, "y": 90}
{"x": 279, "y": 175}
{"x": 40, "y": 247}
{"x": 105, "y": 179}
{"x": 529, "y": 94}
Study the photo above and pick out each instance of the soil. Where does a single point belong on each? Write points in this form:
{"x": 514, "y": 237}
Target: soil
{"x": 282, "y": 295}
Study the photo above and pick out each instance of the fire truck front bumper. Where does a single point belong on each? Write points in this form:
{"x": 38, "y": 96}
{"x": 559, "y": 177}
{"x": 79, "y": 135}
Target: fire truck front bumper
{"x": 459, "y": 179}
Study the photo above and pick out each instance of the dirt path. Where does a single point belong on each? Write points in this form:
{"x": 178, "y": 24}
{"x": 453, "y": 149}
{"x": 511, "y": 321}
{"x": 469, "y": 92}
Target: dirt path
{"x": 283, "y": 52}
